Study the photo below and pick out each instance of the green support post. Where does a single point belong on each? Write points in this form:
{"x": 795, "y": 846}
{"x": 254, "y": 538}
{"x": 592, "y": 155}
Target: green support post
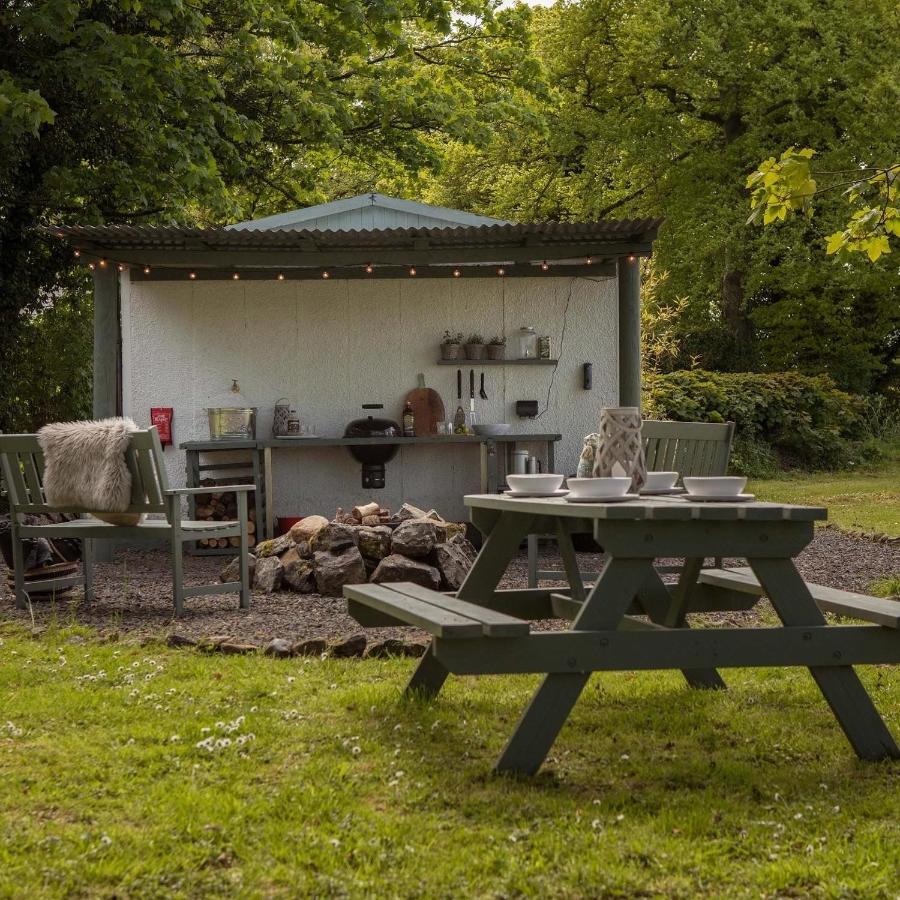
{"x": 106, "y": 341}
{"x": 629, "y": 331}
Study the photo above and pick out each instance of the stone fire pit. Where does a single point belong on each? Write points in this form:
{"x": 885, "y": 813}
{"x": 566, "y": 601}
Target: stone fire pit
{"x": 369, "y": 544}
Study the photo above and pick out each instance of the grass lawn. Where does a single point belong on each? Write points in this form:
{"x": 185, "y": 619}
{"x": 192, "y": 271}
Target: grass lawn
{"x": 867, "y": 500}
{"x": 115, "y": 781}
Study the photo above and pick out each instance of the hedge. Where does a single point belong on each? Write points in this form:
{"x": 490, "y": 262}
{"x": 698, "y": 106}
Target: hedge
{"x": 783, "y": 420}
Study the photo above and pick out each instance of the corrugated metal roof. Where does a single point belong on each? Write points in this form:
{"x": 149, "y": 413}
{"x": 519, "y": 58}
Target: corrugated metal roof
{"x": 541, "y": 234}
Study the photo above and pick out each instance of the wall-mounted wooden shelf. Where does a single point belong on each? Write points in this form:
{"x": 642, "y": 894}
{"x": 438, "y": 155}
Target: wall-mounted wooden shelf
{"x": 462, "y": 363}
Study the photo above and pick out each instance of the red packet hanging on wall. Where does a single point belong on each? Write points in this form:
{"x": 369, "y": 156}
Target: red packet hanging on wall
{"x": 161, "y": 417}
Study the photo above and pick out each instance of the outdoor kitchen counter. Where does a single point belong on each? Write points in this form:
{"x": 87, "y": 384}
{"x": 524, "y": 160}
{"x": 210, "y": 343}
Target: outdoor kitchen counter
{"x": 262, "y": 449}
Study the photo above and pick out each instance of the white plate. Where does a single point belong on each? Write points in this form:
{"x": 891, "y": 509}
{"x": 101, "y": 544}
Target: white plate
{"x": 618, "y": 498}
{"x": 560, "y": 493}
{"x": 719, "y": 498}
{"x": 662, "y": 492}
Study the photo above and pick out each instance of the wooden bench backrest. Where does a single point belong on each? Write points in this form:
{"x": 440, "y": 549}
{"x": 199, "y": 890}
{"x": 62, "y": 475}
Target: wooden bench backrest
{"x": 690, "y": 448}
{"x": 22, "y": 467}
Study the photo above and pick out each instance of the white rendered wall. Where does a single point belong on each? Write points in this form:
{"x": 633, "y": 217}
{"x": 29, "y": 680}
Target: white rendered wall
{"x": 330, "y": 346}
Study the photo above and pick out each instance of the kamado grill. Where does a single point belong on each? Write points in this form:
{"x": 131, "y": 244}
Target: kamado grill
{"x": 372, "y": 457}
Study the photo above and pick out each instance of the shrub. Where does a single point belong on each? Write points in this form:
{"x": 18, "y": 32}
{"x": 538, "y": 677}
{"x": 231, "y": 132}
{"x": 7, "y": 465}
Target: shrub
{"x": 783, "y": 419}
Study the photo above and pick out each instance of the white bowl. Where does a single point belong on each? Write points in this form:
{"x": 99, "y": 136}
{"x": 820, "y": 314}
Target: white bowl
{"x": 715, "y": 486}
{"x": 598, "y": 487}
{"x": 660, "y": 481}
{"x": 534, "y": 484}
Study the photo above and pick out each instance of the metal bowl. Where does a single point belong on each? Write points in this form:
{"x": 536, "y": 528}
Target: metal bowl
{"x": 495, "y": 430}
{"x": 232, "y": 422}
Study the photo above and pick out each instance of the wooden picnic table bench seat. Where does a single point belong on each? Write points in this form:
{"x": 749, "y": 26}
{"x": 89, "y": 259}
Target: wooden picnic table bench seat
{"x": 878, "y": 610}
{"x": 441, "y": 615}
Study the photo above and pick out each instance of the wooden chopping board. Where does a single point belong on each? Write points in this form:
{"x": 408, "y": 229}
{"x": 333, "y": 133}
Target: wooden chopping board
{"x": 428, "y": 408}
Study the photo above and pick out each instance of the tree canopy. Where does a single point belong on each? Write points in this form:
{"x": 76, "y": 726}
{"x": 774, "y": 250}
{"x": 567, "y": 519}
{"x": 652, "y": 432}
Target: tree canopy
{"x": 663, "y": 107}
{"x": 159, "y": 111}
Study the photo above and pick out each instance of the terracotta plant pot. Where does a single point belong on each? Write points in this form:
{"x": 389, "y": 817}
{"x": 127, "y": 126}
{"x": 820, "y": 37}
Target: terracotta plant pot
{"x": 449, "y": 351}
{"x": 475, "y": 351}
{"x": 496, "y": 351}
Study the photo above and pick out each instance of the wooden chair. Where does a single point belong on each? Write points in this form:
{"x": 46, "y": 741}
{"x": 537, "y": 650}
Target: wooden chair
{"x": 22, "y": 467}
{"x": 689, "y": 448}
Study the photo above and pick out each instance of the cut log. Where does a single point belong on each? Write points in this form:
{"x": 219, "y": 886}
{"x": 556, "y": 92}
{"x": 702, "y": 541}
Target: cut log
{"x": 367, "y": 509}
{"x": 251, "y": 528}
{"x": 234, "y": 542}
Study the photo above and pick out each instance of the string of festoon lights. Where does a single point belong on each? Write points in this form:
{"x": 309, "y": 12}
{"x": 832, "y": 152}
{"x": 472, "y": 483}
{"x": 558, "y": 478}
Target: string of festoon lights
{"x": 368, "y": 268}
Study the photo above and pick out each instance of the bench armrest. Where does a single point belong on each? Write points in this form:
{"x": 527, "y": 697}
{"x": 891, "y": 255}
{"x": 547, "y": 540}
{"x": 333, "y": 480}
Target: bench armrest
{"x": 212, "y": 489}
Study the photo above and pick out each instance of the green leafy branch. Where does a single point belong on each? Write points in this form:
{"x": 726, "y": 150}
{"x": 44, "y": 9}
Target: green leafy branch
{"x": 788, "y": 185}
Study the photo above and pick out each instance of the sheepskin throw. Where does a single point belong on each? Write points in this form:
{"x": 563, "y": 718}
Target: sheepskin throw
{"x": 84, "y": 464}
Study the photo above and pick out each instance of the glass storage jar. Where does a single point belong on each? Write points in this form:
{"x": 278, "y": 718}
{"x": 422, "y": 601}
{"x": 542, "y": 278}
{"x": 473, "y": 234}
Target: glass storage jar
{"x": 528, "y": 342}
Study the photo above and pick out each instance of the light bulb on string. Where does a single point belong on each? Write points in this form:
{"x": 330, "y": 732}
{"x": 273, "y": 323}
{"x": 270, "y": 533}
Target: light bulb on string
{"x": 146, "y": 270}
{"x": 412, "y": 271}
{"x": 501, "y": 271}
{"x": 456, "y": 273}
{"x": 369, "y": 268}
{"x": 236, "y": 276}
{"x": 545, "y": 266}
{"x": 192, "y": 276}
{"x": 102, "y": 263}
{"x": 280, "y": 276}
{"x": 326, "y": 274}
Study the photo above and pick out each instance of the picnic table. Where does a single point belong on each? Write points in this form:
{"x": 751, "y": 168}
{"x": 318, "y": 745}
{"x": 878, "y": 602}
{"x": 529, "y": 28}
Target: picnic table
{"x": 483, "y": 630}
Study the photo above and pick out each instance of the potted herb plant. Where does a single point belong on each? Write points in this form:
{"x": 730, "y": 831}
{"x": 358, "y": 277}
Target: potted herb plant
{"x": 496, "y": 348}
{"x": 450, "y": 345}
{"x": 474, "y": 346}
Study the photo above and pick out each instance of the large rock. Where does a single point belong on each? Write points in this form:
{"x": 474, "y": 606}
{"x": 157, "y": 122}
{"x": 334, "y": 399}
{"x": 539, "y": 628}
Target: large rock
{"x": 279, "y": 648}
{"x": 298, "y": 572}
{"x": 374, "y": 543}
{"x": 417, "y": 537}
{"x": 274, "y": 547}
{"x": 401, "y": 568}
{"x": 304, "y": 551}
{"x": 310, "y": 647}
{"x": 334, "y": 570}
{"x": 408, "y": 511}
{"x": 306, "y": 528}
{"x": 349, "y": 645}
{"x": 334, "y": 537}
{"x": 269, "y": 574}
{"x": 231, "y": 571}
{"x": 453, "y": 560}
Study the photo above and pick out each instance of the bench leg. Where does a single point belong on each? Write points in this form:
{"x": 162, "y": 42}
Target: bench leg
{"x": 87, "y": 569}
{"x": 428, "y": 678}
{"x": 840, "y": 685}
{"x": 244, "y": 549}
{"x": 18, "y": 566}
{"x": 532, "y": 560}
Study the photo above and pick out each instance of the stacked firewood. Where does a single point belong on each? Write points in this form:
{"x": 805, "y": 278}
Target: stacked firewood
{"x": 221, "y": 506}
{"x": 370, "y": 514}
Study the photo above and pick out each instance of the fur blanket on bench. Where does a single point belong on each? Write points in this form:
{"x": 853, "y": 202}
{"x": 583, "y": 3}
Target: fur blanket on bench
{"x": 85, "y": 467}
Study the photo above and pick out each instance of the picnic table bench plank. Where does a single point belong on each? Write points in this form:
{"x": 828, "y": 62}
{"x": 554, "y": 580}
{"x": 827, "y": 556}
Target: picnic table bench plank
{"x": 878, "y": 610}
{"x": 411, "y": 611}
{"x": 494, "y": 624}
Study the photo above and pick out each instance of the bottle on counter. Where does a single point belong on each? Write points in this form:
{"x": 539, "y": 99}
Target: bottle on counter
{"x": 409, "y": 421}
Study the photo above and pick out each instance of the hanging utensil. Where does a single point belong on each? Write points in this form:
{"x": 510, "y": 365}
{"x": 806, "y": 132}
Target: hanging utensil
{"x": 459, "y": 417}
{"x": 482, "y": 393}
{"x": 470, "y": 419}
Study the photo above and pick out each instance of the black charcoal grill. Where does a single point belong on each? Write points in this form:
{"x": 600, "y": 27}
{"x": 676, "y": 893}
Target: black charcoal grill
{"x": 372, "y": 457}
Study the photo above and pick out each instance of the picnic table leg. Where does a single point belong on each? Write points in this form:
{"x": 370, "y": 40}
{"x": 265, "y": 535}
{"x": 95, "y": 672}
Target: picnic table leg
{"x": 851, "y": 704}
{"x": 668, "y": 610}
{"x": 498, "y": 549}
{"x": 548, "y": 710}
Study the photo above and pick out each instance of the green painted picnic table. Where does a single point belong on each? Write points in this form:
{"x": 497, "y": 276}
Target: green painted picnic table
{"x": 605, "y": 634}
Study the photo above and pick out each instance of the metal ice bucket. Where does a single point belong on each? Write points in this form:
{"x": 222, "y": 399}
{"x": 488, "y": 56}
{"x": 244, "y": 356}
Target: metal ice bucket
{"x": 232, "y": 423}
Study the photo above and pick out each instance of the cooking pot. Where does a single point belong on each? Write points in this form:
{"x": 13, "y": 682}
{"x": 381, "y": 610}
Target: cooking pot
{"x": 372, "y": 456}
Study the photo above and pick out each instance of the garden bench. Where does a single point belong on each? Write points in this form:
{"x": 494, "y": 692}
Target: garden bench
{"x": 441, "y": 615}
{"x": 689, "y": 448}
{"x": 22, "y": 467}
{"x": 843, "y": 603}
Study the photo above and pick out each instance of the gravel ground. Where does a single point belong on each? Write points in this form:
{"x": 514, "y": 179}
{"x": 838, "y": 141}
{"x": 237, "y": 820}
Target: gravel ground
{"x": 133, "y": 595}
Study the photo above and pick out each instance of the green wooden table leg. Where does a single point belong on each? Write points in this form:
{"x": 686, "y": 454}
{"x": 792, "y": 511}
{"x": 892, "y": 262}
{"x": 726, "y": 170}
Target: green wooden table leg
{"x": 428, "y": 678}
{"x": 500, "y": 545}
{"x": 570, "y": 562}
{"x": 659, "y": 603}
{"x": 840, "y": 685}
{"x": 606, "y": 604}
